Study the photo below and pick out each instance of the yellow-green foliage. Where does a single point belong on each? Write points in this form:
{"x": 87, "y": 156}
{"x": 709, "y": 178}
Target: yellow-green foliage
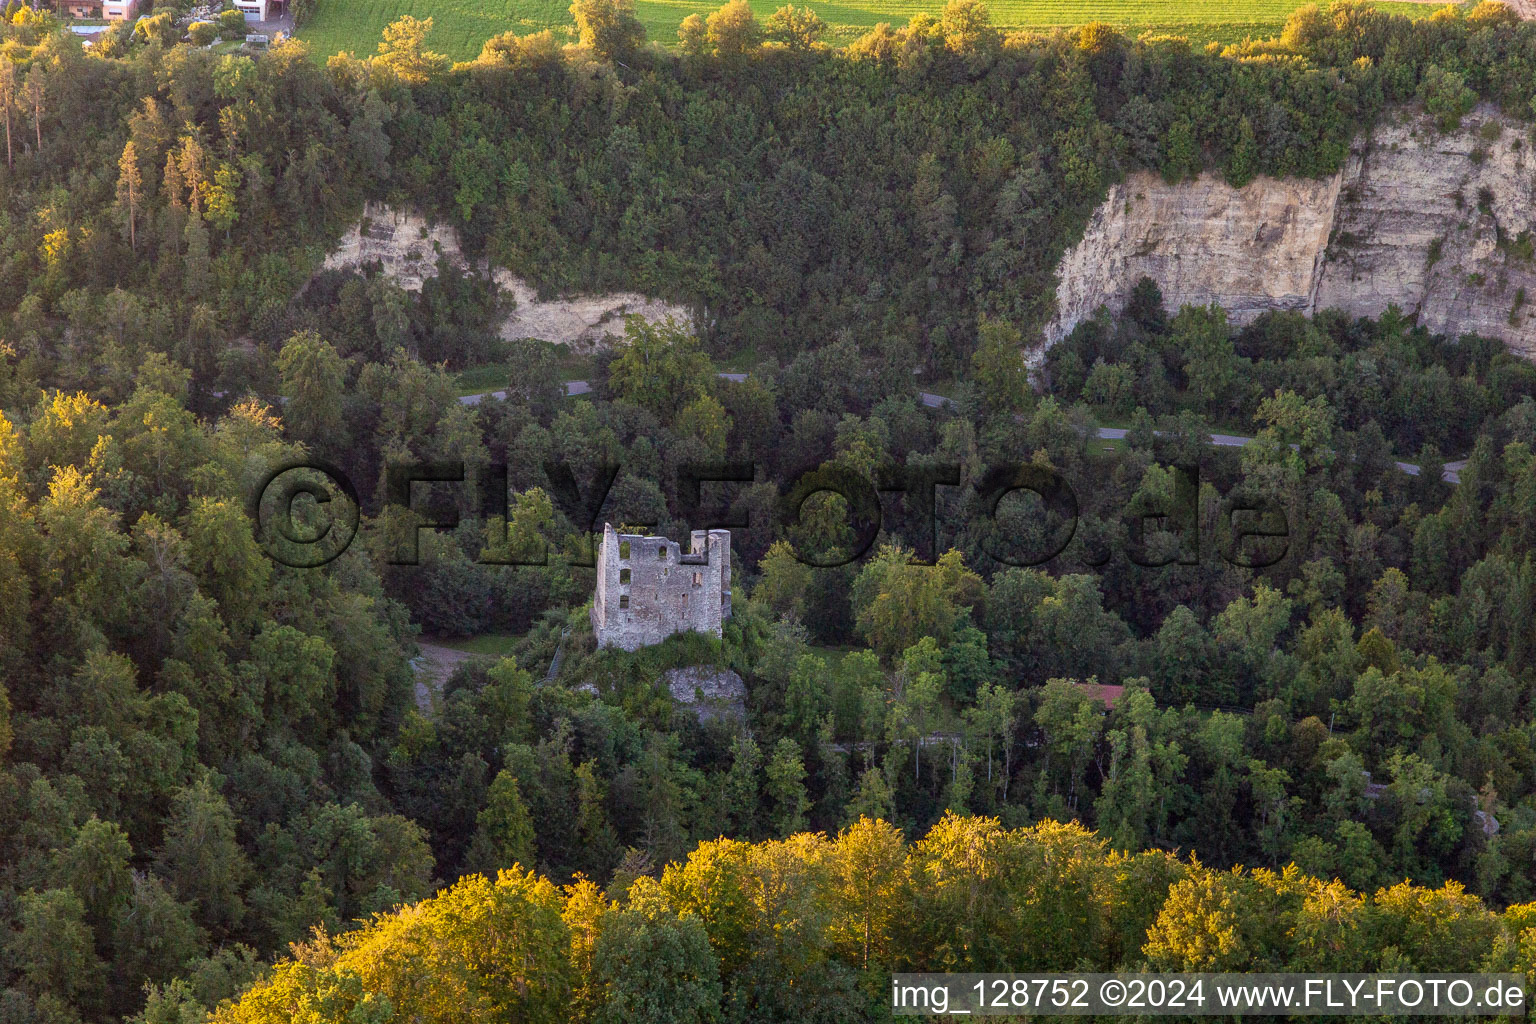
{"x": 480, "y": 951}
{"x": 970, "y": 895}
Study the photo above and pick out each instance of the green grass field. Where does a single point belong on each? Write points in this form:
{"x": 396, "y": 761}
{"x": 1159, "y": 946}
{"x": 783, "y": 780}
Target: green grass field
{"x": 571, "y": 365}
{"x": 493, "y": 645}
{"x": 461, "y": 26}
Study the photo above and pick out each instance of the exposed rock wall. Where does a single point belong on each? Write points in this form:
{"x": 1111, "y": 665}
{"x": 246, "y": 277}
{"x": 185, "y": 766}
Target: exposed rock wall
{"x": 1253, "y": 250}
{"x": 407, "y": 247}
{"x": 582, "y": 321}
{"x": 1431, "y": 222}
{"x": 708, "y": 692}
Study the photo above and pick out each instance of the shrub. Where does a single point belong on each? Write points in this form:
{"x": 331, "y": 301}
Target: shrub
{"x": 156, "y": 26}
{"x": 231, "y": 24}
{"x": 1446, "y": 96}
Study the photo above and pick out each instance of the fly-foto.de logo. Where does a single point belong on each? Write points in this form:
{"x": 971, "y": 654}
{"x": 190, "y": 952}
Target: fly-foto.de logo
{"x": 307, "y": 513}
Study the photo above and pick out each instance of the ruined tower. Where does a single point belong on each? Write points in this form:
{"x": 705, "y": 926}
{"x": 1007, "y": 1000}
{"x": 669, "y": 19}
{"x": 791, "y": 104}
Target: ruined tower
{"x": 648, "y": 588}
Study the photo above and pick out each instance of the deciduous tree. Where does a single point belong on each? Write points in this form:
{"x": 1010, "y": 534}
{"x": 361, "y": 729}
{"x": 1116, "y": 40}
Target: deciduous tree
{"x": 403, "y": 50}
{"x": 797, "y": 28}
{"x": 609, "y": 27}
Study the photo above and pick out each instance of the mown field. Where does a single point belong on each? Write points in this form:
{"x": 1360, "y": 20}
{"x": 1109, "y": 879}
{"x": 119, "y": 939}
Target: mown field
{"x": 461, "y": 26}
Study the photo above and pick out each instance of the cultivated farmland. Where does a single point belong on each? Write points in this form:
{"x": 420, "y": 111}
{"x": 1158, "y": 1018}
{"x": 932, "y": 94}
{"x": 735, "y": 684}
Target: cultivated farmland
{"x": 461, "y": 26}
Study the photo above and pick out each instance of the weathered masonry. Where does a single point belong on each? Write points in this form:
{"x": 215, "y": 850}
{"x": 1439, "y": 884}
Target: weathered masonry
{"x": 648, "y": 588}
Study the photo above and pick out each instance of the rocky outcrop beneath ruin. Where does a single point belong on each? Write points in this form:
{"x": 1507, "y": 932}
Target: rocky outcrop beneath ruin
{"x": 708, "y": 692}
{"x": 407, "y": 248}
{"x": 1439, "y": 224}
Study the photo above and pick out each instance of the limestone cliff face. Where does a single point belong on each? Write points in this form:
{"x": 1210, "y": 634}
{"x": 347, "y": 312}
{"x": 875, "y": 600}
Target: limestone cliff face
{"x": 1253, "y": 250}
{"x": 405, "y": 245}
{"x": 407, "y": 249}
{"x": 1439, "y": 224}
{"x": 1442, "y": 225}
{"x": 582, "y": 321}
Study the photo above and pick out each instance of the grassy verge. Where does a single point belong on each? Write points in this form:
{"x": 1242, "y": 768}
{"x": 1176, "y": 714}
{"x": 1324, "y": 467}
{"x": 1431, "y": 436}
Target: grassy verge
{"x": 477, "y": 380}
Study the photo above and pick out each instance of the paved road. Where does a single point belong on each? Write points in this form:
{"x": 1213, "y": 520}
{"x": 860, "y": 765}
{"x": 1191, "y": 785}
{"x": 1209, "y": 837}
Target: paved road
{"x": 932, "y": 401}
{"x": 582, "y": 387}
{"x": 1452, "y": 469}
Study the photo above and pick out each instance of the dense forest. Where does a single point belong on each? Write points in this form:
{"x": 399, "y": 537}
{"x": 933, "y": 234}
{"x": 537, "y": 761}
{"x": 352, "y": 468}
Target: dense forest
{"x": 210, "y": 760}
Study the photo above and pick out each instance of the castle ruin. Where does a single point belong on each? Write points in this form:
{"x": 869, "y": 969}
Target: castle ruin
{"x": 648, "y": 588}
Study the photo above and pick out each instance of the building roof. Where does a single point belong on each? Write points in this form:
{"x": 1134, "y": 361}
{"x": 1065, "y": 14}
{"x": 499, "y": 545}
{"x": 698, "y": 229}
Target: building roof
{"x": 1107, "y": 693}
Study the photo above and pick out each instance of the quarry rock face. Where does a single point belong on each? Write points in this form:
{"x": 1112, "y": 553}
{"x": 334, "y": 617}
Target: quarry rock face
{"x": 407, "y": 248}
{"x": 1252, "y": 250}
{"x": 581, "y": 321}
{"x": 1440, "y": 224}
{"x": 403, "y": 243}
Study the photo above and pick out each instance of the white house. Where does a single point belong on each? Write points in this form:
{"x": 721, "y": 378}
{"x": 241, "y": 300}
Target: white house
{"x": 119, "y": 10}
{"x": 254, "y": 10}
